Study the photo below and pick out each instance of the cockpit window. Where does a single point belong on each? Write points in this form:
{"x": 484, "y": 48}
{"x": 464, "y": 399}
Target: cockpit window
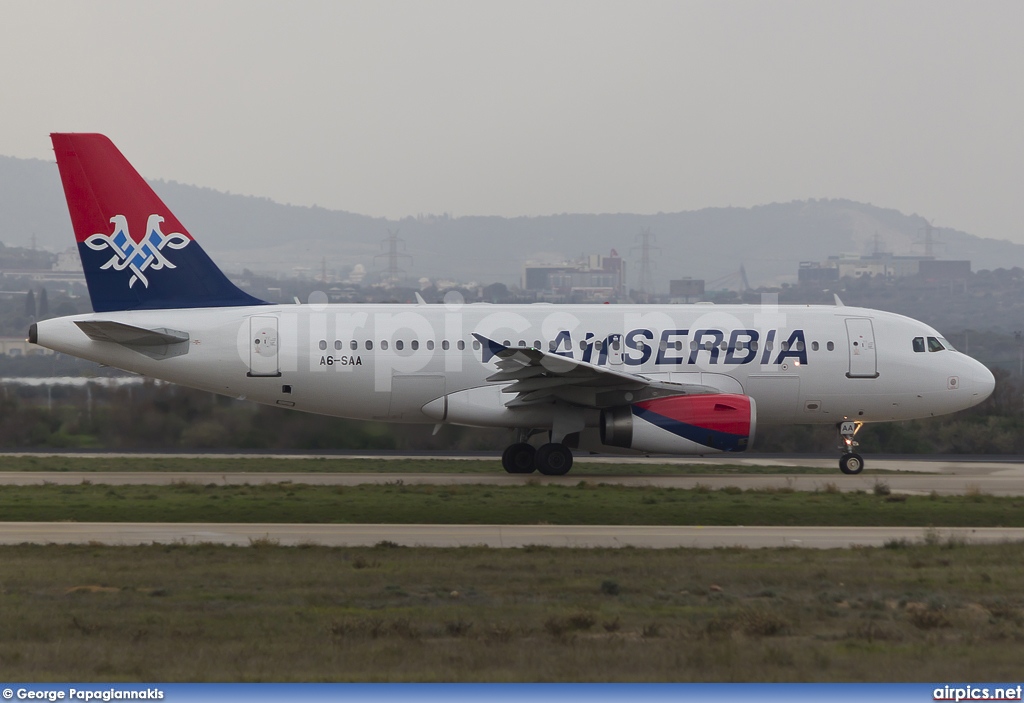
{"x": 934, "y": 345}
{"x": 919, "y": 344}
{"x": 946, "y": 344}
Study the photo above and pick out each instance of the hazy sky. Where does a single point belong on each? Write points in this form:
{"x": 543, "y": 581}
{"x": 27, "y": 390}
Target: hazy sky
{"x": 533, "y": 108}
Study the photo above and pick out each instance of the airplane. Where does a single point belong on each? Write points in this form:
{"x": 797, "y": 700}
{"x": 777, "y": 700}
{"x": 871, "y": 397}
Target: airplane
{"x": 632, "y": 379}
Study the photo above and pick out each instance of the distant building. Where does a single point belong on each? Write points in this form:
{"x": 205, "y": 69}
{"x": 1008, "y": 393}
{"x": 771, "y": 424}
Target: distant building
{"x": 945, "y": 270}
{"x": 19, "y": 346}
{"x": 686, "y": 290}
{"x": 591, "y": 277}
{"x": 882, "y": 265}
{"x": 69, "y": 261}
{"x": 813, "y": 273}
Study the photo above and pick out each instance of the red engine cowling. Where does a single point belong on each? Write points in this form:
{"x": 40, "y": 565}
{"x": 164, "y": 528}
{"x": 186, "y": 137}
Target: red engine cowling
{"x": 683, "y": 424}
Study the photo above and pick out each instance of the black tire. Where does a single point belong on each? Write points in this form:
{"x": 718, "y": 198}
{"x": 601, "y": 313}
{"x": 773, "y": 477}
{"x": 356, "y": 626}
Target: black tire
{"x": 851, "y": 464}
{"x": 519, "y": 458}
{"x": 554, "y": 459}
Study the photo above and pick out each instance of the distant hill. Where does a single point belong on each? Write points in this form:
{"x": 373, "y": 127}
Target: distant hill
{"x": 264, "y": 236}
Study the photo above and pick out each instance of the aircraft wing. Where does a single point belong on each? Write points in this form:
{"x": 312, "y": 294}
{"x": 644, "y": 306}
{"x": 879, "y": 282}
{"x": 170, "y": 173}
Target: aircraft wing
{"x": 538, "y": 376}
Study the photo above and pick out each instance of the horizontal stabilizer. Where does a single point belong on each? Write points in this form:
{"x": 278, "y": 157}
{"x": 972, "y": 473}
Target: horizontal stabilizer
{"x": 160, "y": 343}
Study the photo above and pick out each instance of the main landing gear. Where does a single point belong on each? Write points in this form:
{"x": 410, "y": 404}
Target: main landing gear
{"x": 552, "y": 459}
{"x": 850, "y": 462}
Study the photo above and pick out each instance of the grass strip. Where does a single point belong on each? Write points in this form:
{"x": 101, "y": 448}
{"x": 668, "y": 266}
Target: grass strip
{"x": 585, "y": 503}
{"x": 267, "y": 613}
{"x": 354, "y": 465}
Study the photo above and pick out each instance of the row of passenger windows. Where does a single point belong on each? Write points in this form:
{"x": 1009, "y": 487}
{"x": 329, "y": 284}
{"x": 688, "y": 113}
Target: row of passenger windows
{"x": 552, "y": 345}
{"x": 399, "y": 344}
{"x": 921, "y": 344}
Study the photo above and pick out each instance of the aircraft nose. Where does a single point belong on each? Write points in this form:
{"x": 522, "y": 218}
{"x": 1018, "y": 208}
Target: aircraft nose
{"x": 988, "y": 383}
{"x": 979, "y": 381}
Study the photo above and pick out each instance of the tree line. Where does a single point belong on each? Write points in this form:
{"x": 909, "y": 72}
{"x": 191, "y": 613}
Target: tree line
{"x": 151, "y": 415}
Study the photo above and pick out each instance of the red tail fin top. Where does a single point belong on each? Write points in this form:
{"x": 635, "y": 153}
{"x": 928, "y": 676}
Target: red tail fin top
{"x": 100, "y": 185}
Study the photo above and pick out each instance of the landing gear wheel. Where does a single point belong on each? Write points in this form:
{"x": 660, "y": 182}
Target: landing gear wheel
{"x": 553, "y": 459}
{"x": 518, "y": 458}
{"x": 851, "y": 464}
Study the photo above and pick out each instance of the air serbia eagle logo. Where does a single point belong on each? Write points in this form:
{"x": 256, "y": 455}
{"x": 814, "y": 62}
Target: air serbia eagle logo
{"x": 137, "y": 256}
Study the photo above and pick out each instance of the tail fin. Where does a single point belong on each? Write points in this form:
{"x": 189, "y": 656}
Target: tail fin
{"x": 135, "y": 253}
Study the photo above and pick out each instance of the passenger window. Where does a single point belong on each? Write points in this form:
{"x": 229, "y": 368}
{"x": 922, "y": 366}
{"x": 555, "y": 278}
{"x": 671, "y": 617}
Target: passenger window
{"x": 552, "y": 346}
{"x": 323, "y": 345}
{"x": 337, "y": 344}
{"x": 918, "y": 344}
{"x": 522, "y": 342}
{"x": 445, "y": 345}
{"x": 430, "y": 344}
{"x": 830, "y": 346}
{"x": 399, "y": 345}
{"x": 384, "y": 344}
{"x": 934, "y": 345}
{"x": 353, "y": 345}
{"x": 369, "y": 345}
{"x": 536, "y": 344}
{"x": 476, "y": 345}
{"x": 814, "y": 346}
{"x": 507, "y": 343}
{"x": 753, "y": 345}
{"x": 415, "y": 344}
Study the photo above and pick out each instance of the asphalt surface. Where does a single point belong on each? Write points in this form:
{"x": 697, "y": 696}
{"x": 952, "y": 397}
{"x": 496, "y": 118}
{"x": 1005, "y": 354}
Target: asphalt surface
{"x": 912, "y": 477}
{"x": 495, "y": 536}
{"x": 944, "y": 478}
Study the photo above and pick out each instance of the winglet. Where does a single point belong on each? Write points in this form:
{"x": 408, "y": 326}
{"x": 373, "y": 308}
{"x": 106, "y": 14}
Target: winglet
{"x": 839, "y": 303}
{"x": 490, "y": 347}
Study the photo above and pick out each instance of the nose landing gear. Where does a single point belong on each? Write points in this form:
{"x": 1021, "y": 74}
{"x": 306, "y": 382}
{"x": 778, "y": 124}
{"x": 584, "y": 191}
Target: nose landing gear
{"x": 850, "y": 462}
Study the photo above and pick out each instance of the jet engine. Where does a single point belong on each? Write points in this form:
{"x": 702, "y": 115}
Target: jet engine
{"x": 683, "y": 424}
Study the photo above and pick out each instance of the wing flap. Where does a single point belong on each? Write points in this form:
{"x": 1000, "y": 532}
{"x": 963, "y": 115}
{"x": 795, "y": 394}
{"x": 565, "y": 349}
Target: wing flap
{"x": 536, "y": 376}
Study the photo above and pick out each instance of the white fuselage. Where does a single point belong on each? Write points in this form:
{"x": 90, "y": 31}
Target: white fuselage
{"x": 420, "y": 363}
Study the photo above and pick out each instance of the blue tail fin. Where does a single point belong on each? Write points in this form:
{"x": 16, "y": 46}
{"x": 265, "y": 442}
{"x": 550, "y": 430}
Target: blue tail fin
{"x": 135, "y": 253}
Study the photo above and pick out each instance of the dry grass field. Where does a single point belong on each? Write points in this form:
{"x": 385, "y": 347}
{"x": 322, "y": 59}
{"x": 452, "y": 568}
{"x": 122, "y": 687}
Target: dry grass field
{"x": 927, "y": 612}
{"x": 584, "y": 503}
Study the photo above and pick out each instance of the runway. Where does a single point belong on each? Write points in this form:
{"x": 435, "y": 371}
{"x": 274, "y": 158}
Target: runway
{"x": 910, "y": 477}
{"x": 492, "y": 536}
{"x": 998, "y": 480}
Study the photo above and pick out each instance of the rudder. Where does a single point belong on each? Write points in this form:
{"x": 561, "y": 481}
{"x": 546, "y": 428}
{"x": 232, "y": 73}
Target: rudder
{"x": 135, "y": 253}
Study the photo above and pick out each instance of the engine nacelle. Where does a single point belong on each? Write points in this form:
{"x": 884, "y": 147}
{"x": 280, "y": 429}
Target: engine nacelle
{"x": 682, "y": 424}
